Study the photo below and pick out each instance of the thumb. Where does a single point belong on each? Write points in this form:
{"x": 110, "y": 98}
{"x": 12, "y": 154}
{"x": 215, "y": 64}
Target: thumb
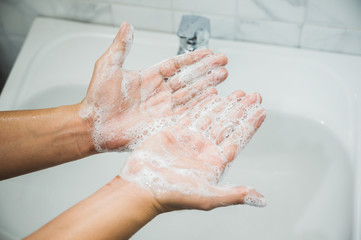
{"x": 232, "y": 195}
{"x": 121, "y": 45}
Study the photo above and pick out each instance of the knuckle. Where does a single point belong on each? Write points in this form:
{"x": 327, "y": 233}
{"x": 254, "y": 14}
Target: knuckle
{"x": 98, "y": 62}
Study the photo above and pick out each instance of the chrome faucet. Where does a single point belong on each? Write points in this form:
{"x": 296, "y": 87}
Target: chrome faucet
{"x": 194, "y": 32}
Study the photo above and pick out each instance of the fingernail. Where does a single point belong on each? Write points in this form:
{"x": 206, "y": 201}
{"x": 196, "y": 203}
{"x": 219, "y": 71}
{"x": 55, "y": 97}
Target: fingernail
{"x": 259, "y": 98}
{"x": 254, "y": 199}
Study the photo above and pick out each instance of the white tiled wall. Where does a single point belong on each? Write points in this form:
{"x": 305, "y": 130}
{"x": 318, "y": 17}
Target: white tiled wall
{"x": 328, "y": 25}
{"x": 341, "y": 40}
{"x": 156, "y": 19}
{"x": 335, "y": 13}
{"x": 274, "y": 10}
{"x": 274, "y": 32}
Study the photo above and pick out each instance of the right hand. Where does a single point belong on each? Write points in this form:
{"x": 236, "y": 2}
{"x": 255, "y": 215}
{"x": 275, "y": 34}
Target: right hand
{"x": 119, "y": 100}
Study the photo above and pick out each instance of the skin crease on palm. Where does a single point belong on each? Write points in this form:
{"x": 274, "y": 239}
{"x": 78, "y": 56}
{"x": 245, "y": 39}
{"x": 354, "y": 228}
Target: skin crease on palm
{"x": 181, "y": 165}
{"x": 124, "y": 107}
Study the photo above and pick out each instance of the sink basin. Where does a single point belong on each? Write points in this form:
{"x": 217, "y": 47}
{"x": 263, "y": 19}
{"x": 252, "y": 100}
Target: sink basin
{"x": 305, "y": 158}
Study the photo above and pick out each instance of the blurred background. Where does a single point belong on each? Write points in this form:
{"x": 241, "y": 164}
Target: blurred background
{"x": 326, "y": 25}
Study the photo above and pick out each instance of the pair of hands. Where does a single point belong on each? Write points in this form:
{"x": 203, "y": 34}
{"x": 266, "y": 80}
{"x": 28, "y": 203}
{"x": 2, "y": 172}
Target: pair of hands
{"x": 181, "y": 132}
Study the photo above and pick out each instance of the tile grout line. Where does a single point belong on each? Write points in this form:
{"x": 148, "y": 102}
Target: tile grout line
{"x": 112, "y": 14}
{"x": 236, "y": 20}
{"x": 305, "y": 14}
{"x": 173, "y": 17}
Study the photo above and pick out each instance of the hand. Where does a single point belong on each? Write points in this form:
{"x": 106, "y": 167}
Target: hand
{"x": 182, "y": 165}
{"x": 119, "y": 102}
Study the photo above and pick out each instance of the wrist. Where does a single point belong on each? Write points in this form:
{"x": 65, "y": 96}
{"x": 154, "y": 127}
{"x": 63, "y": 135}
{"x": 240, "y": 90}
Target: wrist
{"x": 133, "y": 206}
{"x": 136, "y": 194}
{"x": 83, "y": 132}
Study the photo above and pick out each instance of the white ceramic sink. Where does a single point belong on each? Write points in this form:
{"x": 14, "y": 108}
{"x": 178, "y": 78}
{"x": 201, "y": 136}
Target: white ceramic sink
{"x": 305, "y": 158}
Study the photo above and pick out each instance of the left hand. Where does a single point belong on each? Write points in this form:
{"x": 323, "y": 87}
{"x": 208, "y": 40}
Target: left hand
{"x": 182, "y": 165}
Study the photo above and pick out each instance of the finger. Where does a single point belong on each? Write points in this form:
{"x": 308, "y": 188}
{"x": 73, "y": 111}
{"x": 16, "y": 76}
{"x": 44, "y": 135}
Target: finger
{"x": 204, "y": 95}
{"x": 252, "y": 99}
{"x": 209, "y": 115}
{"x": 218, "y": 131}
{"x": 186, "y": 94}
{"x": 234, "y": 113}
{"x": 235, "y": 95}
{"x": 258, "y": 119}
{"x": 205, "y": 107}
{"x": 182, "y": 108}
{"x": 195, "y": 71}
{"x": 241, "y": 136}
{"x": 171, "y": 66}
{"x": 221, "y": 196}
{"x": 197, "y": 107}
{"x": 227, "y": 122}
{"x": 121, "y": 45}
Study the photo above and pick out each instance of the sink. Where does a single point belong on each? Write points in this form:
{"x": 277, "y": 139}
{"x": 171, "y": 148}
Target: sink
{"x": 305, "y": 158}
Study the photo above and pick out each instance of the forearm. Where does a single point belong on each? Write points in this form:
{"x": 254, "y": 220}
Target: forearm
{"x": 116, "y": 211}
{"x": 31, "y": 140}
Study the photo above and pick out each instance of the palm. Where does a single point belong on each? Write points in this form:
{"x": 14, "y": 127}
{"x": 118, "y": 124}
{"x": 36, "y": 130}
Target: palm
{"x": 120, "y": 101}
{"x": 181, "y": 165}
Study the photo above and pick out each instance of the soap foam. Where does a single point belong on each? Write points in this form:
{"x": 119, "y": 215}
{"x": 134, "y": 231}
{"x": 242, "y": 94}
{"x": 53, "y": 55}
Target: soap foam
{"x": 187, "y": 75}
{"x": 146, "y": 169}
{"x": 100, "y": 107}
{"x": 158, "y": 172}
{"x": 253, "y": 200}
{"x": 143, "y": 130}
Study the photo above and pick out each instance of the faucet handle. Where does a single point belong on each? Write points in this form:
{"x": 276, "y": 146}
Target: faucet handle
{"x": 194, "y": 32}
{"x": 191, "y": 25}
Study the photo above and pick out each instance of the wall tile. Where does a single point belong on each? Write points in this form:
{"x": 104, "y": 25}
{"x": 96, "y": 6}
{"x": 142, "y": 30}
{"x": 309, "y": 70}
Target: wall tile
{"x": 280, "y": 10}
{"x": 221, "y": 26}
{"x": 339, "y": 13}
{"x": 331, "y": 39}
{"x": 87, "y": 12}
{"x": 167, "y": 4}
{"x": 81, "y": 10}
{"x": 16, "y": 18}
{"x": 224, "y": 7}
{"x": 41, "y": 7}
{"x": 143, "y": 18}
{"x": 278, "y": 33}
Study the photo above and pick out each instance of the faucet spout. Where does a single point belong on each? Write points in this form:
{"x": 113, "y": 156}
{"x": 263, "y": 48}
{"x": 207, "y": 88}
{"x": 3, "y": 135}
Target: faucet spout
{"x": 194, "y": 32}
